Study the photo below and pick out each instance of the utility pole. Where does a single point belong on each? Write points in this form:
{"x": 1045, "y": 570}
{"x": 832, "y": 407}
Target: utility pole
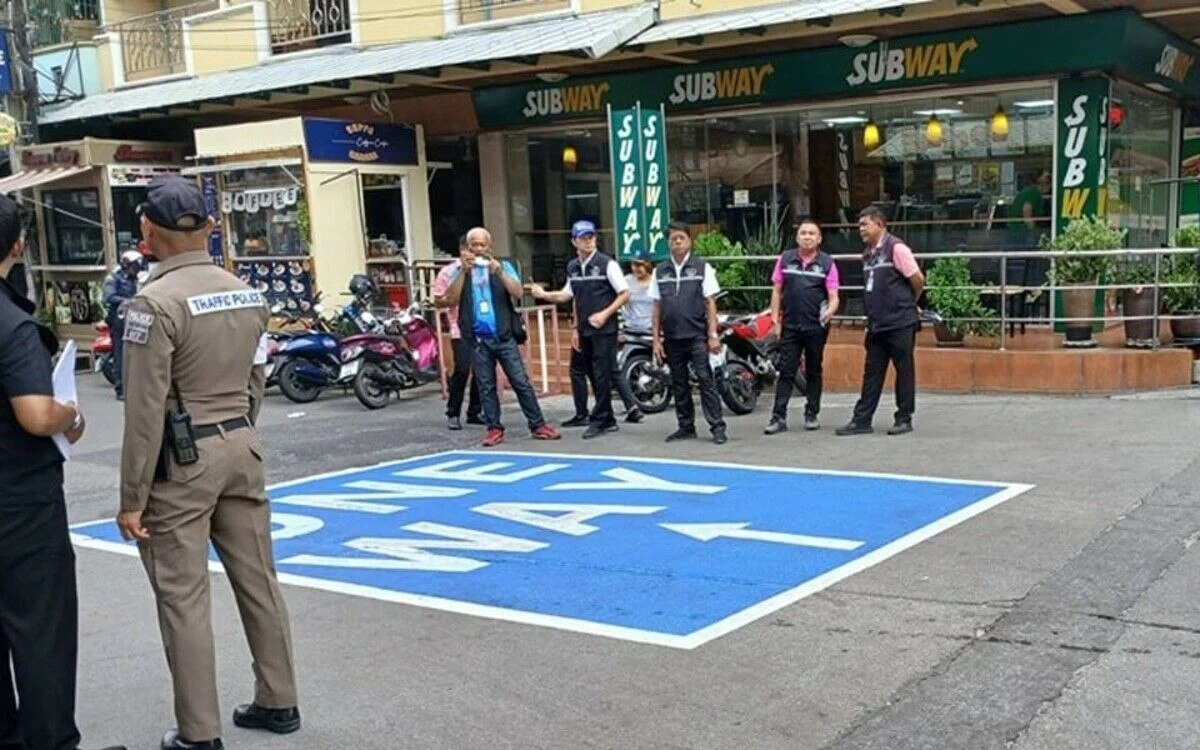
{"x": 24, "y": 97}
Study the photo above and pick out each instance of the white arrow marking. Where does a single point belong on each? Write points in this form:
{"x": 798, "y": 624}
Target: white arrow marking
{"x": 706, "y": 532}
{"x": 628, "y": 479}
{"x": 489, "y": 472}
{"x": 570, "y": 519}
{"x": 410, "y": 554}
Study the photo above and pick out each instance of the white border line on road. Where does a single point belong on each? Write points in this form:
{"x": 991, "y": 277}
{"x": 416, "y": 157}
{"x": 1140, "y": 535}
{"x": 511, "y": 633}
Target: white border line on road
{"x": 1005, "y": 491}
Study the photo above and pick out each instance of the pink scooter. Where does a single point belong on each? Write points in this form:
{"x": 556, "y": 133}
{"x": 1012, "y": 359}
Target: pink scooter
{"x": 405, "y": 358}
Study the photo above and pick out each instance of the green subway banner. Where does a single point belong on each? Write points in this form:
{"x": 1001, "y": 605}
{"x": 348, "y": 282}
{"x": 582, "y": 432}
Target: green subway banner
{"x": 638, "y": 141}
{"x": 1083, "y": 149}
{"x": 1055, "y": 47}
{"x": 1189, "y": 169}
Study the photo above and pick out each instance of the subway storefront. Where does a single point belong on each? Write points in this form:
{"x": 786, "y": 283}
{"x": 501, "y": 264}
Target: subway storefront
{"x": 975, "y": 138}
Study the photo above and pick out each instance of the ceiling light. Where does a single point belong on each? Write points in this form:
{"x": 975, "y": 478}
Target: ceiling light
{"x": 933, "y": 131}
{"x": 871, "y": 135}
{"x": 1000, "y": 124}
{"x": 847, "y": 120}
{"x": 857, "y": 40}
{"x": 1034, "y": 103}
{"x": 551, "y": 76}
{"x": 939, "y": 112}
{"x": 570, "y": 158}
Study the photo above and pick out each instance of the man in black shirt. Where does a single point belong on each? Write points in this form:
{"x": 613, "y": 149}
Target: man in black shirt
{"x": 38, "y": 604}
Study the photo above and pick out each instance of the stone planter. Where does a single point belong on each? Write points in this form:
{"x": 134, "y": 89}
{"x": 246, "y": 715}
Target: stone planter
{"x": 1139, "y": 334}
{"x": 1079, "y": 303}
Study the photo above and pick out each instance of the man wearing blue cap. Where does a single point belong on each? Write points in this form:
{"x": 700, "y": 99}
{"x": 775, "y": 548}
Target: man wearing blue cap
{"x": 598, "y": 288}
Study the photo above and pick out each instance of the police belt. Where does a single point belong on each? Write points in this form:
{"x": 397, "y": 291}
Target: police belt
{"x": 212, "y": 430}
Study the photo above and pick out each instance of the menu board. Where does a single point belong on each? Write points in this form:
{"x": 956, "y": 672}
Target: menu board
{"x": 289, "y": 282}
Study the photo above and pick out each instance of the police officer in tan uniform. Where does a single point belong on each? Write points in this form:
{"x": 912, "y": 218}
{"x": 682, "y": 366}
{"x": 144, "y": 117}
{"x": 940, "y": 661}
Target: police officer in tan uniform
{"x": 191, "y": 468}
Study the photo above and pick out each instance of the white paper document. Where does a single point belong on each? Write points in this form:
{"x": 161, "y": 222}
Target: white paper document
{"x": 64, "y": 390}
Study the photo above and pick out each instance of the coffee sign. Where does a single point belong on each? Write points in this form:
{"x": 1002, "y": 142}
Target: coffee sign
{"x": 638, "y": 141}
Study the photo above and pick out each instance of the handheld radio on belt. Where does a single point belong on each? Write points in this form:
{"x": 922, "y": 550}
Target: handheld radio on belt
{"x": 179, "y": 434}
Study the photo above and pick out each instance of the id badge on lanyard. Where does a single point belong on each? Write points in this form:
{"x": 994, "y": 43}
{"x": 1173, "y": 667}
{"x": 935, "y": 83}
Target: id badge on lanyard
{"x": 871, "y": 280}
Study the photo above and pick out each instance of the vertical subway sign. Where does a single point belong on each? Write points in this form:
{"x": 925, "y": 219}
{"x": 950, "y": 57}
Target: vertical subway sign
{"x": 1083, "y": 149}
{"x": 637, "y": 138}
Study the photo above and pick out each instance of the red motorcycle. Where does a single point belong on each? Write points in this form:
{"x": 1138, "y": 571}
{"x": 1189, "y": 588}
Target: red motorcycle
{"x": 102, "y": 352}
{"x": 752, "y": 361}
{"x": 406, "y": 356}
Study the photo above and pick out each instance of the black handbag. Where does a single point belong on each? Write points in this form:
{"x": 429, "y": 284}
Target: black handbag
{"x": 520, "y": 334}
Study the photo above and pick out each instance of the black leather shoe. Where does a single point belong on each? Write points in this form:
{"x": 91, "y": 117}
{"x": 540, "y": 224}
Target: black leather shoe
{"x": 575, "y": 421}
{"x": 681, "y": 434}
{"x": 172, "y": 741}
{"x": 475, "y": 419}
{"x": 593, "y": 431}
{"x": 854, "y": 429}
{"x": 634, "y": 416}
{"x": 900, "y": 428}
{"x": 719, "y": 436}
{"x": 277, "y": 720}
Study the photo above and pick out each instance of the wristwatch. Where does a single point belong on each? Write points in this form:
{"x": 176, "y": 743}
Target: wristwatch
{"x": 78, "y": 422}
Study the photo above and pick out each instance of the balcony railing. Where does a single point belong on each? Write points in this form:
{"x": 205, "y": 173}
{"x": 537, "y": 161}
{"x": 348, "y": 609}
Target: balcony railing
{"x": 308, "y": 24}
{"x": 152, "y": 45}
{"x": 56, "y": 21}
{"x": 480, "y": 11}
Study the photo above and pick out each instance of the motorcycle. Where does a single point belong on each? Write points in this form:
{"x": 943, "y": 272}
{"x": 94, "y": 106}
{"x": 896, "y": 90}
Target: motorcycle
{"x": 312, "y": 361}
{"x": 284, "y": 326}
{"x": 753, "y": 361}
{"x": 102, "y": 353}
{"x": 406, "y": 357}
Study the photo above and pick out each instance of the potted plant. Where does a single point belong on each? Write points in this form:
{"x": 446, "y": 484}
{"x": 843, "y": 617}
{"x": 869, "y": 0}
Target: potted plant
{"x": 948, "y": 290}
{"x": 1135, "y": 277}
{"x": 1072, "y": 269}
{"x": 1183, "y": 299}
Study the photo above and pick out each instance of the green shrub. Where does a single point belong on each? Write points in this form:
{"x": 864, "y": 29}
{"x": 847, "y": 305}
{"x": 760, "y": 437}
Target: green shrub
{"x": 944, "y": 288}
{"x": 1086, "y": 233}
{"x": 1181, "y": 269}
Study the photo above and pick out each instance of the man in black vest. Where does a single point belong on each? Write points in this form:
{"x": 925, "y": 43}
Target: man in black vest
{"x": 598, "y": 287}
{"x": 803, "y": 301}
{"x": 39, "y": 608}
{"x": 893, "y": 282}
{"x": 684, "y": 290}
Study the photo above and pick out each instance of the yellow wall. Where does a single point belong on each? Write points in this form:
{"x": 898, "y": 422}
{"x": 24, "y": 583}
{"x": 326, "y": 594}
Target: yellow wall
{"x": 224, "y": 41}
{"x": 588, "y": 6}
{"x": 382, "y": 21}
{"x": 116, "y": 11}
{"x": 251, "y": 136}
{"x": 104, "y": 61}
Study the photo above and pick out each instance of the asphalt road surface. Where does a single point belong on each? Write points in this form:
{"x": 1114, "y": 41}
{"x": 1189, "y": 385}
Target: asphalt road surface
{"x": 1059, "y": 613}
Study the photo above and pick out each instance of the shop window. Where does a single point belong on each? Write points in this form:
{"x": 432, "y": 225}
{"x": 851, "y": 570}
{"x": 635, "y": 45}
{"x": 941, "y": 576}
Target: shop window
{"x": 128, "y": 225}
{"x": 1141, "y": 132}
{"x": 263, "y": 208}
{"x": 74, "y": 236}
{"x": 383, "y": 208}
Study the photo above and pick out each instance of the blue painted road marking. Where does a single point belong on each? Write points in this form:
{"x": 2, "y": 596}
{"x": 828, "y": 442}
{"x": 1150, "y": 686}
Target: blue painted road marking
{"x": 658, "y": 551}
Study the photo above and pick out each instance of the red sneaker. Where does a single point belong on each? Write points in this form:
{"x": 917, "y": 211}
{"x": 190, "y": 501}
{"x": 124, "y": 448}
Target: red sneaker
{"x": 494, "y": 436}
{"x": 546, "y": 432}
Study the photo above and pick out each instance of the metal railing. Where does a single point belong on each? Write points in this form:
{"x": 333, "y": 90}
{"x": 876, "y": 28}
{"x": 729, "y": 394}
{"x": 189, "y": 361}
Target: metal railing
{"x": 1003, "y": 288}
{"x": 152, "y": 45}
{"x": 305, "y": 24}
{"x": 52, "y": 19}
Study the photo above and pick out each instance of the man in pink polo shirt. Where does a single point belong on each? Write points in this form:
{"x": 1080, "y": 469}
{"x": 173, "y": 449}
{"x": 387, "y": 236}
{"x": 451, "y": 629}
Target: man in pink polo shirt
{"x": 462, "y": 352}
{"x": 892, "y": 284}
{"x": 804, "y": 300}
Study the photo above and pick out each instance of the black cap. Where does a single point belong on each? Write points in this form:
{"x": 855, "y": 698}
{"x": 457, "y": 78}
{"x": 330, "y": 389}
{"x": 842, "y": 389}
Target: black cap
{"x": 176, "y": 204}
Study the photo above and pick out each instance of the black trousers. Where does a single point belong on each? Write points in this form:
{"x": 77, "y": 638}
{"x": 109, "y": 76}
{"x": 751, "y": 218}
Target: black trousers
{"x": 39, "y": 626}
{"x": 889, "y": 346}
{"x": 579, "y": 384}
{"x": 598, "y": 352}
{"x": 464, "y": 354}
{"x": 681, "y": 353}
{"x": 791, "y": 344}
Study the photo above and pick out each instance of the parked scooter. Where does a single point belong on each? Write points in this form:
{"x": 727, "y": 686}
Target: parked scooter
{"x": 406, "y": 358}
{"x": 316, "y": 360}
{"x": 102, "y": 352}
{"x": 650, "y": 382}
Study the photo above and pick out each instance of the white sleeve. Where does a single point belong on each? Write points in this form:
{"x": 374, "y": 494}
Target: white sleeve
{"x": 654, "y": 286}
{"x": 568, "y": 291}
{"x": 615, "y": 278}
{"x": 710, "y": 286}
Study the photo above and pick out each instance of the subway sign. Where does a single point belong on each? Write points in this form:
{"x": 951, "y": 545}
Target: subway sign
{"x": 1048, "y": 48}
